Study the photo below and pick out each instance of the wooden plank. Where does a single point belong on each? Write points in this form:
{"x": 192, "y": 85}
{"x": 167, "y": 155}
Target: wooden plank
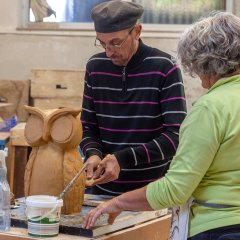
{"x": 17, "y": 137}
{"x": 56, "y": 83}
{"x": 21, "y": 234}
{"x": 4, "y": 136}
{"x": 11, "y": 237}
{"x": 5, "y": 104}
{"x": 18, "y": 156}
{"x": 22, "y": 115}
{"x": 12, "y": 167}
{"x": 21, "y": 158}
{"x": 15, "y": 93}
{"x": 157, "y": 229}
{"x": 51, "y": 103}
{"x": 127, "y": 219}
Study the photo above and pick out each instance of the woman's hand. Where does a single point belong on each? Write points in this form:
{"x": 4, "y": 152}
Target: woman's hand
{"x": 111, "y": 207}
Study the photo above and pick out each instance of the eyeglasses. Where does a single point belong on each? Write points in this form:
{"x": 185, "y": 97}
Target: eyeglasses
{"x": 113, "y": 46}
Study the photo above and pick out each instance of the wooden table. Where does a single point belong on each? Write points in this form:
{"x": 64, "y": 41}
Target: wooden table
{"x": 157, "y": 229}
{"x": 18, "y": 159}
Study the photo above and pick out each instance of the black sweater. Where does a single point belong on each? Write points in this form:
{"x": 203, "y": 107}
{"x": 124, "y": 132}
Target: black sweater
{"x": 134, "y": 112}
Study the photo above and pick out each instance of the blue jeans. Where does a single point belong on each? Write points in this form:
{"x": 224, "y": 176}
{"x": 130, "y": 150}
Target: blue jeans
{"x": 223, "y": 233}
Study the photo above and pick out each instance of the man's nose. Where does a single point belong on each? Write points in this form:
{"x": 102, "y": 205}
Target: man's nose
{"x": 109, "y": 51}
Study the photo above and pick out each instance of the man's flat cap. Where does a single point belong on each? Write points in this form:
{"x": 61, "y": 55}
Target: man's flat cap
{"x": 115, "y": 15}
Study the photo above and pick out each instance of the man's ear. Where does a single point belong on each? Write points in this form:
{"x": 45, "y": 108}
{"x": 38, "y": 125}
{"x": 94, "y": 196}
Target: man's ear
{"x": 138, "y": 31}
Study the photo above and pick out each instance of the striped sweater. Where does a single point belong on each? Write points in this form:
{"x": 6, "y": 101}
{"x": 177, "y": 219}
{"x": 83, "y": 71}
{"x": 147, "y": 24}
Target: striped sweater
{"x": 134, "y": 112}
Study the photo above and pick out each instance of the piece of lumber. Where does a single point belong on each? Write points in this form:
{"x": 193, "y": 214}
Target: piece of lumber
{"x": 17, "y": 135}
{"x": 54, "y": 103}
{"x": 50, "y": 83}
{"x": 156, "y": 229}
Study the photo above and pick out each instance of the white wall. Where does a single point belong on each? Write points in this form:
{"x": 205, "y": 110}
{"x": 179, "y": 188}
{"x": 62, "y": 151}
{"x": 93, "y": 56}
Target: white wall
{"x": 22, "y": 50}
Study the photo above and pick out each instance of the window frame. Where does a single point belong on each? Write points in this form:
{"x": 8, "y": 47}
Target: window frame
{"x": 87, "y": 28}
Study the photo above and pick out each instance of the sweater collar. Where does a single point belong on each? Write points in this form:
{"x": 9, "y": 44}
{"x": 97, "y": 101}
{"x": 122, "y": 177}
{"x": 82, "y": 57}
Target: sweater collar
{"x": 138, "y": 57}
{"x": 222, "y": 81}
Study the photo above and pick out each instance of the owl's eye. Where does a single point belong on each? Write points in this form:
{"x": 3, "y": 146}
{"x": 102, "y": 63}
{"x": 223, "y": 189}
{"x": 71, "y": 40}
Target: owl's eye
{"x": 34, "y": 130}
{"x": 62, "y": 129}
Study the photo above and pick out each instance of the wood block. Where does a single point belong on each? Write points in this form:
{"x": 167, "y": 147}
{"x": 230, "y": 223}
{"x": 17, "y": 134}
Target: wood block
{"x": 15, "y": 92}
{"x": 56, "y": 83}
{"x": 5, "y": 104}
{"x": 157, "y": 229}
{"x": 4, "y": 136}
{"x": 127, "y": 219}
{"x": 21, "y": 158}
{"x": 18, "y": 156}
{"x": 17, "y": 137}
{"x": 51, "y": 103}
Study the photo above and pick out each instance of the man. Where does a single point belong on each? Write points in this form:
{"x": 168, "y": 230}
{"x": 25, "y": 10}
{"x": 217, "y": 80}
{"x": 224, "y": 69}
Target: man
{"x": 133, "y": 104}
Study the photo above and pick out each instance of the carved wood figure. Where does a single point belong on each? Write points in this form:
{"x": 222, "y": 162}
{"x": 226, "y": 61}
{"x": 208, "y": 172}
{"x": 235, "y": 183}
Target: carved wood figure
{"x": 54, "y": 136}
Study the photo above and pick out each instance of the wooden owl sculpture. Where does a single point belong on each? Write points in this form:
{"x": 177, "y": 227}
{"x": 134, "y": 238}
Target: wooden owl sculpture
{"x": 54, "y": 136}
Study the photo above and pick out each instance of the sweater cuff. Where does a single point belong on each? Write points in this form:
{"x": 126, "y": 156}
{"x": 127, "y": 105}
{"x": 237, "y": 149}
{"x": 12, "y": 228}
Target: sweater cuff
{"x": 150, "y": 195}
{"x": 93, "y": 152}
{"x": 124, "y": 157}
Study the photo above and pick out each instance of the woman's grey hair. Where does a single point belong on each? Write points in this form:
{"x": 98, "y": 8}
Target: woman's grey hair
{"x": 211, "y": 46}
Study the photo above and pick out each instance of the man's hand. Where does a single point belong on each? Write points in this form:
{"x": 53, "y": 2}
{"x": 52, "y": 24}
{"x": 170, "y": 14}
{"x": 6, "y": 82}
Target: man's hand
{"x": 107, "y": 170}
{"x": 111, "y": 207}
{"x": 92, "y": 164}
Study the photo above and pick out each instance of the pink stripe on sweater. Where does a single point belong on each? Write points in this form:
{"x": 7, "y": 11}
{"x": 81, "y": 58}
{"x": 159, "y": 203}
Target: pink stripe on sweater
{"x": 130, "y": 130}
{"x": 147, "y": 73}
{"x": 147, "y": 153}
{"x": 111, "y": 102}
{"x": 105, "y": 73}
{"x": 154, "y": 73}
{"x": 170, "y": 140}
{"x": 134, "y": 75}
{"x": 172, "y": 125}
{"x": 86, "y": 96}
{"x": 136, "y": 181}
{"x": 171, "y": 70}
{"x": 93, "y": 123}
{"x": 171, "y": 99}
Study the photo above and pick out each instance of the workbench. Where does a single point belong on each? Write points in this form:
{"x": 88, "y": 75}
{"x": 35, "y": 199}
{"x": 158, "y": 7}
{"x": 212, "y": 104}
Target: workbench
{"x": 156, "y": 229}
{"x": 134, "y": 223}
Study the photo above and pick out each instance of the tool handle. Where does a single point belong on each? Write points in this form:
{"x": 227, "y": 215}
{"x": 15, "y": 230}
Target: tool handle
{"x": 72, "y": 181}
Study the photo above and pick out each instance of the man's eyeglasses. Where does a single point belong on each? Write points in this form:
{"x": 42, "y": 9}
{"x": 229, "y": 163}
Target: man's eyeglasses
{"x": 113, "y": 46}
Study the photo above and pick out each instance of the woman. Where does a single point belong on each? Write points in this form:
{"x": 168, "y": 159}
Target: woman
{"x": 207, "y": 163}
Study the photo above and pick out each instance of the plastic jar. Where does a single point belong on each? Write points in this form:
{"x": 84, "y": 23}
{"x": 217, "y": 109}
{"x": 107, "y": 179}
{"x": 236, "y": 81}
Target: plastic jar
{"x": 43, "y": 215}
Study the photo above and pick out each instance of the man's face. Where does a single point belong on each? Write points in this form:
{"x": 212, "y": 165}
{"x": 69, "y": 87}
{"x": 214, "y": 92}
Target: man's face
{"x": 119, "y": 46}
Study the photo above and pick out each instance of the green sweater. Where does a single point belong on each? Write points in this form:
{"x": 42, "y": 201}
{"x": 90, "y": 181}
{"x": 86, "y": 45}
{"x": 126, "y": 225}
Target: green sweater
{"x": 207, "y": 162}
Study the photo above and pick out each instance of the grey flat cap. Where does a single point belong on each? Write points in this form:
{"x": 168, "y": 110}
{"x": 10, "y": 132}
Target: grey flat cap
{"x": 115, "y": 15}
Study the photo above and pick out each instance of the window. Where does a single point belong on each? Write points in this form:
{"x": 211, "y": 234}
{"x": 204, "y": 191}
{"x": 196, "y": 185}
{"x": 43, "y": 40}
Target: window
{"x": 62, "y": 10}
{"x": 156, "y": 11}
{"x": 178, "y": 11}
